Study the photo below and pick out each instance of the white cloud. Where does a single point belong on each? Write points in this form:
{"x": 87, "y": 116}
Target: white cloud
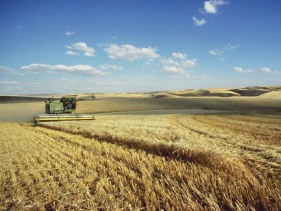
{"x": 242, "y": 70}
{"x": 130, "y": 52}
{"x": 211, "y": 6}
{"x": 69, "y": 47}
{"x": 215, "y": 52}
{"x": 4, "y": 69}
{"x": 222, "y": 50}
{"x": 110, "y": 67}
{"x": 238, "y": 69}
{"x": 72, "y": 53}
{"x": 199, "y": 22}
{"x": 36, "y": 68}
{"x": 10, "y": 71}
{"x": 83, "y": 69}
{"x": 80, "y": 46}
{"x": 179, "y": 55}
{"x": 9, "y": 82}
{"x": 177, "y": 64}
{"x": 266, "y": 70}
{"x": 68, "y": 33}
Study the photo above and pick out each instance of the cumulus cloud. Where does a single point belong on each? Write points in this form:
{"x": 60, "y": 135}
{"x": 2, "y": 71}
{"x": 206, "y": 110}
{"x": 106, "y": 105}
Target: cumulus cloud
{"x": 177, "y": 64}
{"x": 82, "y": 69}
{"x": 68, "y": 33}
{"x": 242, "y": 70}
{"x": 110, "y": 67}
{"x": 9, "y": 82}
{"x": 199, "y": 22}
{"x": 266, "y": 70}
{"x": 130, "y": 52}
{"x": 75, "y": 48}
{"x": 81, "y": 46}
{"x": 211, "y": 6}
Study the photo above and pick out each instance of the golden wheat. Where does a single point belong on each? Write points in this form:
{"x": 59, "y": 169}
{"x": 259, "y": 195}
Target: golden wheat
{"x": 171, "y": 162}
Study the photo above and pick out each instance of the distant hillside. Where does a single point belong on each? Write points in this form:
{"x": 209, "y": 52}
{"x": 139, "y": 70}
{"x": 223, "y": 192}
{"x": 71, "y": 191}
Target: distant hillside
{"x": 271, "y": 92}
{"x": 222, "y": 92}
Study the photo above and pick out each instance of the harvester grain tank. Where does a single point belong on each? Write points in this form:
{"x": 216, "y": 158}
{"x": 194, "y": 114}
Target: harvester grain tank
{"x": 62, "y": 109}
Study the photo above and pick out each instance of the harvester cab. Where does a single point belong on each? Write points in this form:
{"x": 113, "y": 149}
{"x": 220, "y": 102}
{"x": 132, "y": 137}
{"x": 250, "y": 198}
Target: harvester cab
{"x": 61, "y": 109}
{"x": 60, "y": 106}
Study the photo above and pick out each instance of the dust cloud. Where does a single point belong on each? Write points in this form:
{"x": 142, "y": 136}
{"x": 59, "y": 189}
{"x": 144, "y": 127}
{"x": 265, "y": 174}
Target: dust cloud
{"x": 20, "y": 112}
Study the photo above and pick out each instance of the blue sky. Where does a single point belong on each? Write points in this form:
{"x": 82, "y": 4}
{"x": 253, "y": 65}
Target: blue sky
{"x": 73, "y": 46}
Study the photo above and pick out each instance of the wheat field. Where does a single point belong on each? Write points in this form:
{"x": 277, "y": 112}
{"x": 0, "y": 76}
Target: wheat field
{"x": 143, "y": 162}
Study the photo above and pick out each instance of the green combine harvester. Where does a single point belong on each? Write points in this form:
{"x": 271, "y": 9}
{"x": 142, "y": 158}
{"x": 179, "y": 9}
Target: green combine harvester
{"x": 62, "y": 110}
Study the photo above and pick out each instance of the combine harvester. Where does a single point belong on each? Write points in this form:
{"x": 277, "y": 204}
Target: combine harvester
{"x": 62, "y": 110}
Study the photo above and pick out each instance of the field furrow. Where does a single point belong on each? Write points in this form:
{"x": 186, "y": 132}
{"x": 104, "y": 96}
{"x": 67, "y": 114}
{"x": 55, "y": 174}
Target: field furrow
{"x": 259, "y": 131}
{"x": 256, "y": 153}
